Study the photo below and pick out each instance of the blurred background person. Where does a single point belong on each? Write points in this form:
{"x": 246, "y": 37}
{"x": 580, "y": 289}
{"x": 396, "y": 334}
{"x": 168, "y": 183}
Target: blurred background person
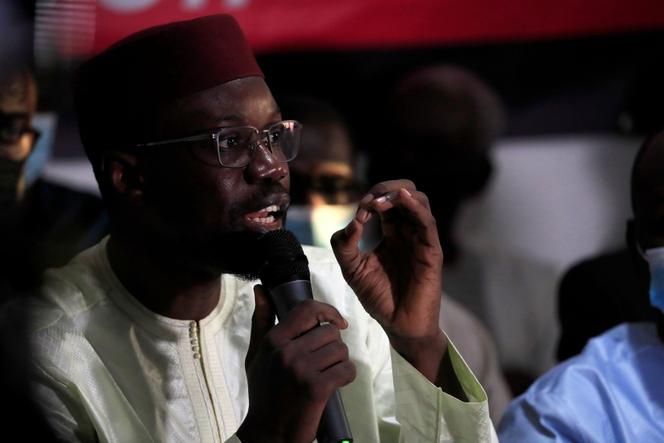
{"x": 44, "y": 224}
{"x": 326, "y": 184}
{"x": 605, "y": 290}
{"x": 600, "y": 293}
{"x": 18, "y": 100}
{"x": 444, "y": 122}
{"x": 612, "y": 391}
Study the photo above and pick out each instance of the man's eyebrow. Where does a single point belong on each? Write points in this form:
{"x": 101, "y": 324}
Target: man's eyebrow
{"x": 230, "y": 118}
{"x": 237, "y": 118}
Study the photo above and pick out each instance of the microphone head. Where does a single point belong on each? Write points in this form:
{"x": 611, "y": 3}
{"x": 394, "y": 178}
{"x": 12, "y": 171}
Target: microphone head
{"x": 284, "y": 258}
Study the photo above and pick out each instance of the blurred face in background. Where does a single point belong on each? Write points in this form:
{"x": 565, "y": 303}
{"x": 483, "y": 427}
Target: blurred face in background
{"x": 323, "y": 172}
{"x": 324, "y": 187}
{"x": 18, "y": 99}
{"x": 442, "y": 121}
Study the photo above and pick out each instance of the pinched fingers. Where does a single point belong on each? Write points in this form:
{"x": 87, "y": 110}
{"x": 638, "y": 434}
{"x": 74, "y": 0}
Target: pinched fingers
{"x": 379, "y": 197}
{"x": 390, "y": 186}
{"x": 413, "y": 206}
{"x": 404, "y": 205}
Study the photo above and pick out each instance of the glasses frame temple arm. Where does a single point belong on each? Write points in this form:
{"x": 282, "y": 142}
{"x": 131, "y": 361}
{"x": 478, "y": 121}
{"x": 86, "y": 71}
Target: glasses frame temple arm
{"x": 192, "y": 138}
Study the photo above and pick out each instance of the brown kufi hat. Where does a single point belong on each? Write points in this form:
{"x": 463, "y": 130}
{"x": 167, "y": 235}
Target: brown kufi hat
{"x": 118, "y": 90}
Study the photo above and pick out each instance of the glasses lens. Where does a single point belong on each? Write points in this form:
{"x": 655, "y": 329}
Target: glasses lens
{"x": 284, "y": 138}
{"x": 235, "y": 145}
{"x": 13, "y": 126}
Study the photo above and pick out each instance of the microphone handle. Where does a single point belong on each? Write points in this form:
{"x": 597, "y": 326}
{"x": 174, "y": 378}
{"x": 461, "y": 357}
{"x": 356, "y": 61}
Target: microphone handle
{"x": 333, "y": 427}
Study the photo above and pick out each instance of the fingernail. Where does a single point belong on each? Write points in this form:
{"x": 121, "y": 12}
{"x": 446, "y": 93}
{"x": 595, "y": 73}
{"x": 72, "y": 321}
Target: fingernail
{"x": 362, "y": 215}
{"x": 407, "y": 192}
{"x": 387, "y": 197}
{"x": 366, "y": 199}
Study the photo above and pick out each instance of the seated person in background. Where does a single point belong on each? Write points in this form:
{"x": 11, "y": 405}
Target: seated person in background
{"x": 43, "y": 225}
{"x": 19, "y": 271}
{"x": 443, "y": 123}
{"x": 600, "y": 293}
{"x": 613, "y": 391}
{"x": 160, "y": 332}
{"x": 325, "y": 188}
{"x": 323, "y": 177}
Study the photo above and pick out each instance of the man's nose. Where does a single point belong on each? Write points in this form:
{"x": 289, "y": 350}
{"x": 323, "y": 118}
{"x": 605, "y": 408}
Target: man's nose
{"x": 264, "y": 166}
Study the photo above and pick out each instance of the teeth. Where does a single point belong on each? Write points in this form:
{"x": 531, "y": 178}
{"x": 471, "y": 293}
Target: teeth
{"x": 263, "y": 220}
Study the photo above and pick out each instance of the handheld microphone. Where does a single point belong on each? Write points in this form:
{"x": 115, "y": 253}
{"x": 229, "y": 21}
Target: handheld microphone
{"x": 287, "y": 279}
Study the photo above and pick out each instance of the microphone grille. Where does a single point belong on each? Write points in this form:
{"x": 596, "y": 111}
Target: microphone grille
{"x": 284, "y": 258}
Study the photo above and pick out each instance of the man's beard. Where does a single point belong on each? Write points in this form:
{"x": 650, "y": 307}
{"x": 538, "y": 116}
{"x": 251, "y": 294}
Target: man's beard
{"x": 205, "y": 248}
{"x": 237, "y": 253}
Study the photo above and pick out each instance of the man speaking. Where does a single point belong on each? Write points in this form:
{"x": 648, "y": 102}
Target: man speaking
{"x": 161, "y": 333}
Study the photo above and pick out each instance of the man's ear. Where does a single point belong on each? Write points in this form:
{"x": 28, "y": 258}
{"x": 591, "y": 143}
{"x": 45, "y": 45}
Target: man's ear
{"x": 123, "y": 173}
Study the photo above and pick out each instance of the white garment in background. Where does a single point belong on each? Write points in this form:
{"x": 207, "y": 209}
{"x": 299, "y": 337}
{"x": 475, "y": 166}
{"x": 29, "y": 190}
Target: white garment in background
{"x": 515, "y": 297}
{"x": 109, "y": 369}
{"x": 479, "y": 351}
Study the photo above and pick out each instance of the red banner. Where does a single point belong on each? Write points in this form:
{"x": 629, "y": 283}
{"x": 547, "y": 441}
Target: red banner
{"x": 280, "y": 25}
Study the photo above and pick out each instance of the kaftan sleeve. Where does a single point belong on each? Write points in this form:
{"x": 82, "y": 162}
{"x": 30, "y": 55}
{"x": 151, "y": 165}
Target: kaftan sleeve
{"x": 418, "y": 411}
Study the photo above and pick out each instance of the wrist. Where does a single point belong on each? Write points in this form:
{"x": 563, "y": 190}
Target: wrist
{"x": 425, "y": 353}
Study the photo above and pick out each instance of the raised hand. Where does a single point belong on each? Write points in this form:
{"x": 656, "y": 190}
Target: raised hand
{"x": 398, "y": 282}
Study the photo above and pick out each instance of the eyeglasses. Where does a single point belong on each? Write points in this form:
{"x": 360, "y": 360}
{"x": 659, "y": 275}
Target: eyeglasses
{"x": 13, "y": 126}
{"x": 233, "y": 147}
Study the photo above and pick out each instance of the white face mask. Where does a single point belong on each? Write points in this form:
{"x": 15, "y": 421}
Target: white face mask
{"x": 314, "y": 225}
{"x": 655, "y": 258}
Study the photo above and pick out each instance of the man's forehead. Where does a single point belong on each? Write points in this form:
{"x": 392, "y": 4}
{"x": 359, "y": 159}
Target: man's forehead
{"x": 18, "y": 94}
{"x": 244, "y": 101}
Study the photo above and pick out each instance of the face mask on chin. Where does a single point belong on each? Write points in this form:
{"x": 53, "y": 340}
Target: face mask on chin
{"x": 655, "y": 258}
{"x": 314, "y": 225}
{"x": 11, "y": 172}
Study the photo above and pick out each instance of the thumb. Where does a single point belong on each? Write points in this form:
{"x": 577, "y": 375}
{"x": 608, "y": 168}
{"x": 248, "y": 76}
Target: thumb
{"x": 345, "y": 244}
{"x": 261, "y": 322}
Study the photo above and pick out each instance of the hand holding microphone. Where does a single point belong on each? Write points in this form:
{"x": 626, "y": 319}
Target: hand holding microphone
{"x": 295, "y": 367}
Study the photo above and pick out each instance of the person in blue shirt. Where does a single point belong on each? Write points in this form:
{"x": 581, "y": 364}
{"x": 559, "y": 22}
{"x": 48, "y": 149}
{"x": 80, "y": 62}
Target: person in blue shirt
{"x": 614, "y": 390}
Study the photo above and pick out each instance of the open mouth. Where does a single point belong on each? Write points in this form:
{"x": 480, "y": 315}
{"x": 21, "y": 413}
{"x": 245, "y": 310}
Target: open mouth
{"x": 268, "y": 217}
